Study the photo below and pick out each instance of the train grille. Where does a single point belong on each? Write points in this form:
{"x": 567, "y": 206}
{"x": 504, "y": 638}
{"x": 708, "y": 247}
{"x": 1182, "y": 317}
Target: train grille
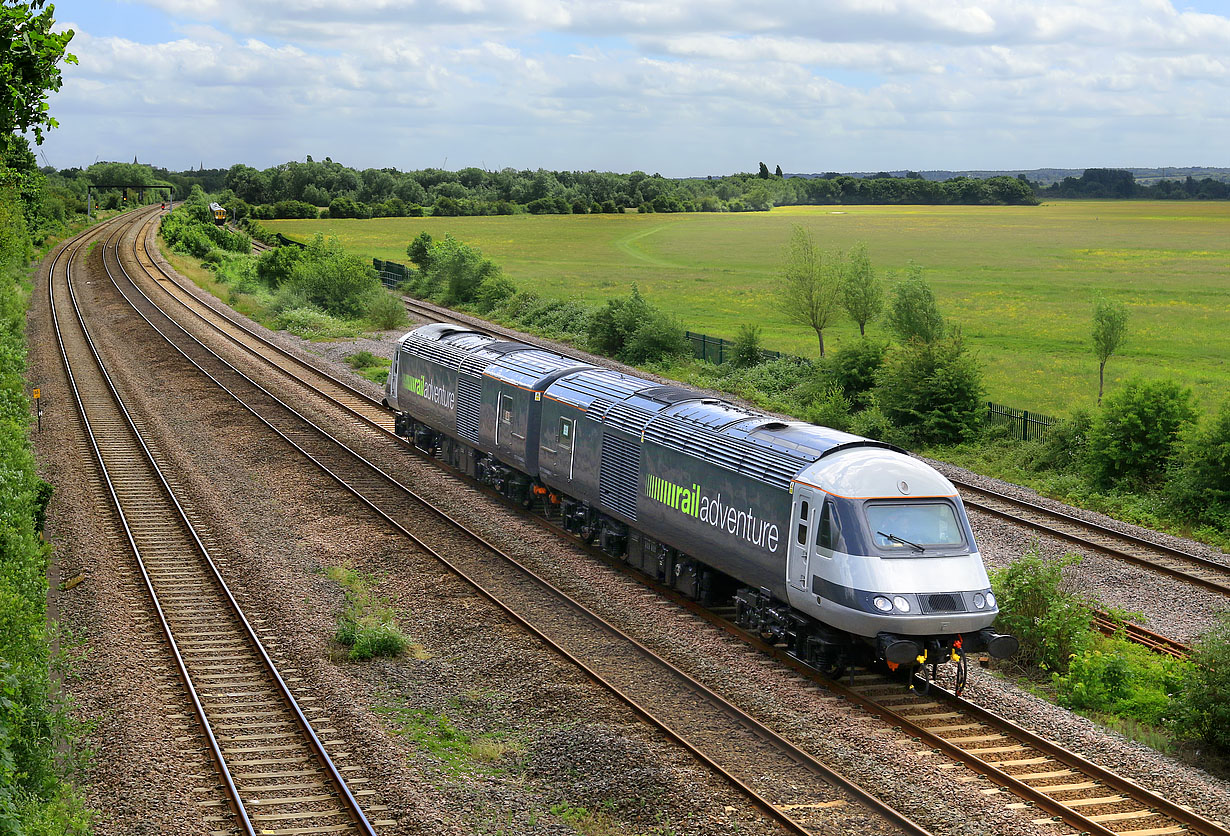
{"x": 943, "y": 602}
{"x": 469, "y": 406}
{"x": 619, "y": 474}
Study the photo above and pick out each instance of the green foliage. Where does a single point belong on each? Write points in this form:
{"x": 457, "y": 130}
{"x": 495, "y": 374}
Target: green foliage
{"x": 932, "y": 390}
{"x": 340, "y": 283}
{"x": 853, "y": 367}
{"x": 634, "y": 331}
{"x": 913, "y": 314}
{"x": 419, "y": 251}
{"x": 862, "y": 294}
{"x": 810, "y": 292}
{"x": 29, "y": 53}
{"x": 312, "y": 323}
{"x": 1199, "y": 482}
{"x": 1035, "y": 605}
{"x": 385, "y": 311}
{"x": 1109, "y": 326}
{"x": 440, "y": 735}
{"x": 1115, "y": 676}
{"x": 35, "y": 732}
{"x": 274, "y": 267}
{"x": 832, "y": 409}
{"x": 1134, "y": 435}
{"x": 493, "y": 292}
{"x": 367, "y": 624}
{"x": 747, "y": 351}
{"x": 1202, "y": 704}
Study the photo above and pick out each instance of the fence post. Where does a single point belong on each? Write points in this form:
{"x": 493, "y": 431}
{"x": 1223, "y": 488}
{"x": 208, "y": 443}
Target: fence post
{"x": 1025, "y": 425}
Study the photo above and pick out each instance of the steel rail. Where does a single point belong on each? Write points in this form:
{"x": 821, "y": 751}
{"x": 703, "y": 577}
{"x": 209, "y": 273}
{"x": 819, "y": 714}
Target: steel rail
{"x": 754, "y": 727}
{"x": 352, "y": 809}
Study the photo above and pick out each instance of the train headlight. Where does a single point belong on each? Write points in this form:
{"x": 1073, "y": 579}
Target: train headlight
{"x": 901, "y": 604}
{"x": 882, "y": 604}
{"x": 980, "y": 600}
{"x": 991, "y": 600}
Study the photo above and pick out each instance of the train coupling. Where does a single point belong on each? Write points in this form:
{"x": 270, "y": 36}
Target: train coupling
{"x": 999, "y": 645}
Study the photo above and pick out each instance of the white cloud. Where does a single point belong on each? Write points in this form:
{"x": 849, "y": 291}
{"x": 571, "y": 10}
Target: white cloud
{"x": 853, "y": 84}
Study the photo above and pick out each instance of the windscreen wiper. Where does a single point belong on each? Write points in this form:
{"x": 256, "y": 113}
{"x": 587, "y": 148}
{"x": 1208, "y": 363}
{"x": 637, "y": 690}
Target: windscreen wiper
{"x": 894, "y": 538}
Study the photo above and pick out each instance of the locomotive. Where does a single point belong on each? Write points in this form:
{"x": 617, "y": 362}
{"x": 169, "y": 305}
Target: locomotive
{"x": 218, "y": 212}
{"x": 845, "y": 549}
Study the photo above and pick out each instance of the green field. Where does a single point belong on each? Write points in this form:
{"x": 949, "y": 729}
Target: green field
{"x": 1019, "y": 280}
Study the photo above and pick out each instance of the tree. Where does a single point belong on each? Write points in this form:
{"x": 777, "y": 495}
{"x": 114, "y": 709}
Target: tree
{"x": 1109, "y": 326}
{"x": 1199, "y": 483}
{"x": 29, "y": 53}
{"x": 913, "y": 314}
{"x": 764, "y": 172}
{"x": 778, "y": 172}
{"x": 811, "y": 288}
{"x": 862, "y": 295}
{"x": 932, "y": 390}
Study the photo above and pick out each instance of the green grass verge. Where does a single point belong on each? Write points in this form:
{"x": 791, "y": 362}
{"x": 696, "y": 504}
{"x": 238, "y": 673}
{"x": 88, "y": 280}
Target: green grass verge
{"x": 1019, "y": 280}
{"x": 366, "y": 624}
{"x": 458, "y": 751}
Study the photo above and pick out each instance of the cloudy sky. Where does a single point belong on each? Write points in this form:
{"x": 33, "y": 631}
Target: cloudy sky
{"x": 680, "y": 87}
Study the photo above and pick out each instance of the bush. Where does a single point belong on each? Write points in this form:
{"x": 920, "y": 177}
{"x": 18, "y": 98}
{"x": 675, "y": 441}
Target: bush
{"x": 385, "y": 311}
{"x": 658, "y": 338}
{"x": 747, "y": 350}
{"x": 634, "y": 331}
{"x": 493, "y": 292}
{"x": 340, "y": 283}
{"x": 344, "y": 207}
{"x": 1135, "y": 433}
{"x": 293, "y": 209}
{"x": 1035, "y": 605}
{"x": 312, "y": 324}
{"x": 932, "y": 391}
{"x": 1202, "y": 704}
{"x": 275, "y": 267}
{"x": 1115, "y": 676}
{"x": 912, "y": 313}
{"x": 853, "y": 367}
{"x": 831, "y": 410}
{"x": 1065, "y": 444}
{"x": 1199, "y": 483}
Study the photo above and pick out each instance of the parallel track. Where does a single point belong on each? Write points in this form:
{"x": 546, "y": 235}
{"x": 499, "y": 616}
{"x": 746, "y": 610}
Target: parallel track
{"x": 274, "y": 769}
{"x": 1060, "y": 783}
{"x": 798, "y": 791}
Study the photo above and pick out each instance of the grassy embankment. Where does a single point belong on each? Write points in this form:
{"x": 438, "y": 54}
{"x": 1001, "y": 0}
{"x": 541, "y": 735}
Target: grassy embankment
{"x": 1019, "y": 280}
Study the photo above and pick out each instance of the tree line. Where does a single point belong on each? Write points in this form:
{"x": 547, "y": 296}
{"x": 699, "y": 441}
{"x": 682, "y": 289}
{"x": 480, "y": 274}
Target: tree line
{"x": 1118, "y": 184}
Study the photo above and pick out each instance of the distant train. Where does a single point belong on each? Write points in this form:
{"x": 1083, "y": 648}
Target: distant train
{"x": 846, "y": 549}
{"x": 219, "y": 213}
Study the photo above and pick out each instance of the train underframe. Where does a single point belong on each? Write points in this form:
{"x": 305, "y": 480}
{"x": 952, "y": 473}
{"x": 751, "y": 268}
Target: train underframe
{"x": 828, "y": 650}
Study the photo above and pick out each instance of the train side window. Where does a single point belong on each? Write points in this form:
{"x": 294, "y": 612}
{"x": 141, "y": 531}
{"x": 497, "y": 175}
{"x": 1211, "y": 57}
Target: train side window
{"x": 505, "y": 409}
{"x": 828, "y": 532}
{"x": 565, "y": 433}
{"x": 804, "y": 518}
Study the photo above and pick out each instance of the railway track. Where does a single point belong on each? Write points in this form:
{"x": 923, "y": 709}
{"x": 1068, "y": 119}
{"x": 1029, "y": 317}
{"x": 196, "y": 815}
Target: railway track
{"x": 802, "y": 794}
{"x": 1067, "y": 788}
{"x": 274, "y": 769}
{"x": 1109, "y": 626}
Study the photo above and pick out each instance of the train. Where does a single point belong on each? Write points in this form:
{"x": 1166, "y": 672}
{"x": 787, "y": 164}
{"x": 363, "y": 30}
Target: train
{"x": 218, "y": 212}
{"x": 846, "y": 550}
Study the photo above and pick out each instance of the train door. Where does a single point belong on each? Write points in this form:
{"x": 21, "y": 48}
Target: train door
{"x": 567, "y": 429}
{"x": 807, "y": 502}
{"x": 394, "y": 382}
{"x": 503, "y": 419}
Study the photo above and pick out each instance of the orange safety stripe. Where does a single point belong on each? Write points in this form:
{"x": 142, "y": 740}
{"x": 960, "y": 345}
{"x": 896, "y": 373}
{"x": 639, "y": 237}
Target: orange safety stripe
{"x": 839, "y": 496}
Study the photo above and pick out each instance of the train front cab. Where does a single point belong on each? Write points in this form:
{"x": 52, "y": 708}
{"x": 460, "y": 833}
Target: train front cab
{"x": 880, "y": 547}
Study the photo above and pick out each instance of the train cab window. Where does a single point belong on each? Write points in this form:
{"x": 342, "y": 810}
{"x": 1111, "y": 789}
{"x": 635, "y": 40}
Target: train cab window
{"x": 565, "y": 433}
{"x": 914, "y": 528}
{"x": 827, "y": 533}
{"x": 804, "y": 518}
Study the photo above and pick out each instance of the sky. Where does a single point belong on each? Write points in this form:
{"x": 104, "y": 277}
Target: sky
{"x": 677, "y": 87}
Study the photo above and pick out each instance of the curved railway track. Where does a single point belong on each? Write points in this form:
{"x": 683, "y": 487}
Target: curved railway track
{"x": 276, "y": 773}
{"x": 802, "y": 794}
{"x": 1067, "y": 788}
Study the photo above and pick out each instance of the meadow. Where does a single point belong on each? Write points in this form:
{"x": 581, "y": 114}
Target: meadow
{"x": 1018, "y": 280}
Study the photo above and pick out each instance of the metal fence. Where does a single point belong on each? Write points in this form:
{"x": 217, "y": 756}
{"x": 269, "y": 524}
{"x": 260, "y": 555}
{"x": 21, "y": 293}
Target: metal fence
{"x": 717, "y": 350}
{"x": 391, "y": 273}
{"x": 1026, "y": 425}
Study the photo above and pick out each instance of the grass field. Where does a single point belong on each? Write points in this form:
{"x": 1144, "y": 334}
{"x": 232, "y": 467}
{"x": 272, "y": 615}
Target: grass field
{"x": 1019, "y": 280}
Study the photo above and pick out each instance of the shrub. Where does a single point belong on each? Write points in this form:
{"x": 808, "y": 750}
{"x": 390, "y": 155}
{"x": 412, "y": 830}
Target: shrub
{"x": 1115, "y": 676}
{"x": 912, "y": 313}
{"x": 366, "y": 624}
{"x": 656, "y": 339}
{"x": 872, "y": 423}
{"x": 1065, "y": 444}
{"x": 1202, "y": 704}
{"x": 275, "y": 267}
{"x": 1199, "y": 483}
{"x": 419, "y": 251}
{"x": 1035, "y": 605}
{"x": 312, "y": 324}
{"x": 853, "y": 367}
{"x": 1135, "y": 433}
{"x": 493, "y": 292}
{"x": 293, "y": 209}
{"x": 832, "y": 409}
{"x": 344, "y": 207}
{"x": 747, "y": 351}
{"x": 613, "y": 325}
{"x": 340, "y": 283}
{"x": 385, "y": 311}
{"x": 932, "y": 391}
